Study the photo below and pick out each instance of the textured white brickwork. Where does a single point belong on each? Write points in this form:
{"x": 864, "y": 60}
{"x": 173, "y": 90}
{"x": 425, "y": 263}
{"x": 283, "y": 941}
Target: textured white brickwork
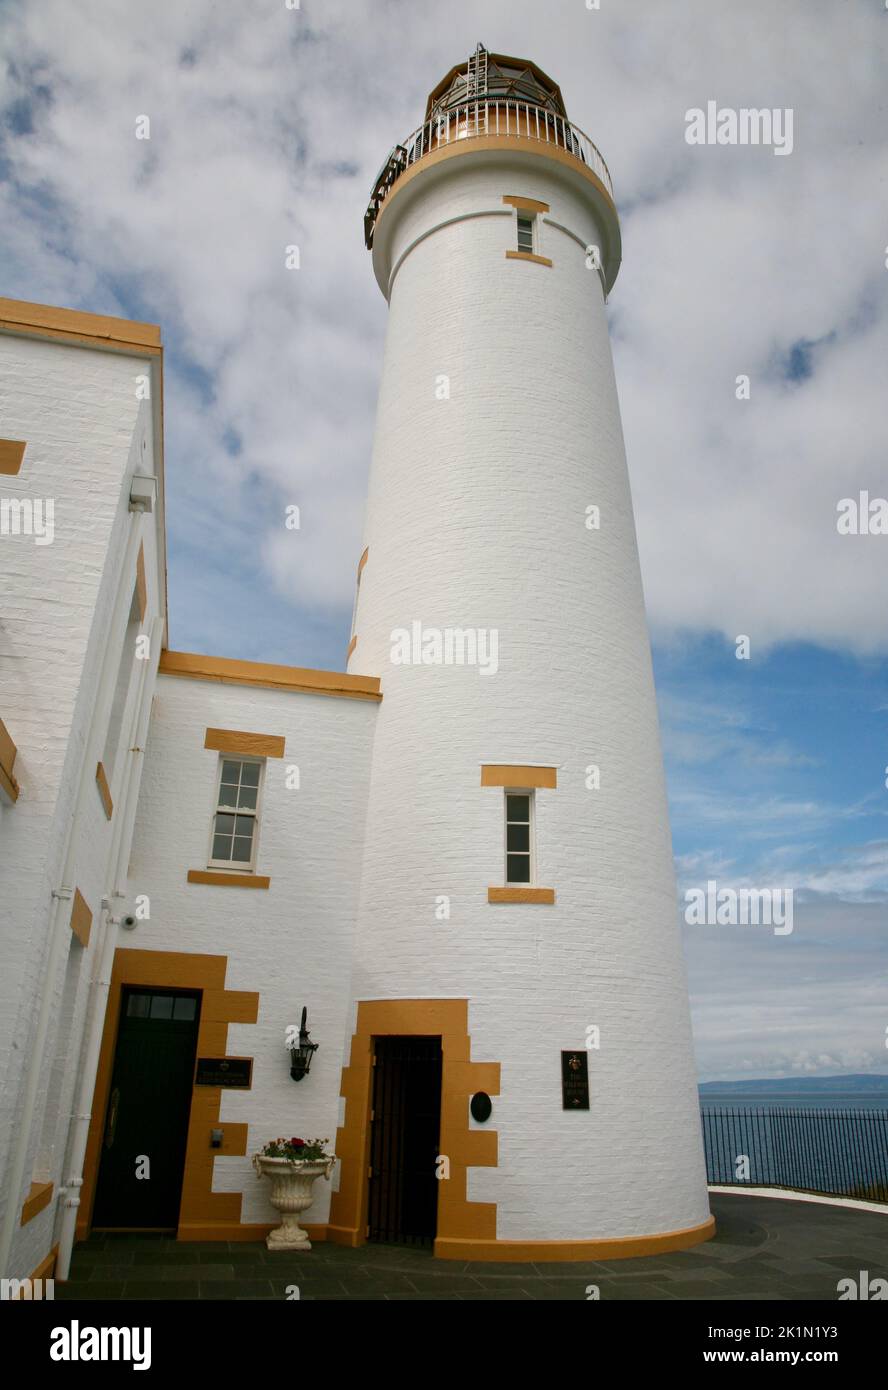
{"x": 476, "y": 519}
{"x": 86, "y": 434}
{"x": 293, "y": 942}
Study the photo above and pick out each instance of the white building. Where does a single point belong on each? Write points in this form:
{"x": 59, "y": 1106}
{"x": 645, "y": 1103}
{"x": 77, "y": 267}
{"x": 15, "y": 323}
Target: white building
{"x": 457, "y": 855}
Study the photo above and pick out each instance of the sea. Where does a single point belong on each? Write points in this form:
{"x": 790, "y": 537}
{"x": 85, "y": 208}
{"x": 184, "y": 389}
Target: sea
{"x": 835, "y": 1143}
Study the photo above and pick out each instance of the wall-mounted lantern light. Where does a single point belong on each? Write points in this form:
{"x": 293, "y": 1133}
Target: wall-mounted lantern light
{"x": 302, "y": 1053}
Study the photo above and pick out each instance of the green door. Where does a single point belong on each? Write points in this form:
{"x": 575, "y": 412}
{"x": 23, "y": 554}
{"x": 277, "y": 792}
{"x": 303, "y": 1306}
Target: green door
{"x": 146, "y": 1125}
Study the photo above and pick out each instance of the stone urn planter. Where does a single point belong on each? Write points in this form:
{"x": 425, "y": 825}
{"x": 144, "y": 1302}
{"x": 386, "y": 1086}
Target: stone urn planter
{"x": 291, "y": 1194}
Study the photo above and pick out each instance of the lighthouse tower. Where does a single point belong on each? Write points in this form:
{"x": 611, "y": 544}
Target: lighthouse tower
{"x": 520, "y": 1080}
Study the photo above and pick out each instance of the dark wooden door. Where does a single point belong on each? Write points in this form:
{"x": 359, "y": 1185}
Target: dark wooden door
{"x": 146, "y": 1124}
{"x": 405, "y": 1134}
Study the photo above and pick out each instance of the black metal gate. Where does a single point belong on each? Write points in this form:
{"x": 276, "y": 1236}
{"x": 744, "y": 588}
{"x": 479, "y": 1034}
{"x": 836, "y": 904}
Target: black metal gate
{"x": 405, "y": 1132}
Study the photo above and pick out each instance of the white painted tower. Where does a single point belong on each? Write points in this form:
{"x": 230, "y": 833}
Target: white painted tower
{"x": 495, "y": 240}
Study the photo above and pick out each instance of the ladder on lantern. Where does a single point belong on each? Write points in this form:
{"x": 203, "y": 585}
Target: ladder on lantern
{"x": 476, "y": 84}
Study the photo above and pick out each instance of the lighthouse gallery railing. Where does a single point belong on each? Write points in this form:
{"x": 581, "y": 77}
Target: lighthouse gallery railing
{"x": 477, "y": 119}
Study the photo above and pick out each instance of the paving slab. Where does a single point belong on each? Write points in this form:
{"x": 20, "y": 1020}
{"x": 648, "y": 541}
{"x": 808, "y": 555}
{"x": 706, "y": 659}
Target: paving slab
{"x": 765, "y": 1249}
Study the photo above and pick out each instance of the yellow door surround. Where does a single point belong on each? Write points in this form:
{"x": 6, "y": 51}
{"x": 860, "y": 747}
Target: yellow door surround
{"x": 203, "y": 1214}
{"x": 459, "y": 1220}
{"x": 466, "y": 1229}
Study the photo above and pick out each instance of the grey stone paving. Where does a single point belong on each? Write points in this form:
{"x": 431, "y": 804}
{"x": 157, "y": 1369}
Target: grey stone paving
{"x": 765, "y": 1249}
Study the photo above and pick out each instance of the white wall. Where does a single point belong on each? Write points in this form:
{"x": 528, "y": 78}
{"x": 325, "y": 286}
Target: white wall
{"x": 292, "y": 942}
{"x": 476, "y": 518}
{"x": 86, "y": 434}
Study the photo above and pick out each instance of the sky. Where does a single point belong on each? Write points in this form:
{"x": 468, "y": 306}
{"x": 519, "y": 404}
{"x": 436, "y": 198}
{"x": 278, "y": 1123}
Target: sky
{"x": 267, "y": 127}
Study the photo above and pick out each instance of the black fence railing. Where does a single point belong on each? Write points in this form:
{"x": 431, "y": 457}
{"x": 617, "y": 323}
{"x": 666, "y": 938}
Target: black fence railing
{"x": 842, "y": 1153}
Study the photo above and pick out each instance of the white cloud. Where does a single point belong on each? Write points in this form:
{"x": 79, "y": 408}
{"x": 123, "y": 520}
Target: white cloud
{"x": 267, "y": 128}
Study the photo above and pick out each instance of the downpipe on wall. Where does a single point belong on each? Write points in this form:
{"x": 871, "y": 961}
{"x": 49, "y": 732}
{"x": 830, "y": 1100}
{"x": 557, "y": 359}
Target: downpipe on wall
{"x": 101, "y": 983}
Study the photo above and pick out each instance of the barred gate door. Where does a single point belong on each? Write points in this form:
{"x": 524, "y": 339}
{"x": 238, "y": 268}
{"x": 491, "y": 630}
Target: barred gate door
{"x": 405, "y": 1131}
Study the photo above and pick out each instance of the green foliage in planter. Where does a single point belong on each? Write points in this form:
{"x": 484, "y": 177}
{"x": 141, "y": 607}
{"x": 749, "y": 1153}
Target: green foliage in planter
{"x": 295, "y": 1150}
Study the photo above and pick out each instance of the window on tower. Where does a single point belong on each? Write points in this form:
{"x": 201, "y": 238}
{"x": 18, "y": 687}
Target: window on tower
{"x": 235, "y": 821}
{"x": 525, "y": 233}
{"x": 519, "y": 837}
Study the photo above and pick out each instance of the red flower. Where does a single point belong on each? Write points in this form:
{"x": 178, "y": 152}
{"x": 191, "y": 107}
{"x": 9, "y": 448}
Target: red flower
{"x": 297, "y": 1143}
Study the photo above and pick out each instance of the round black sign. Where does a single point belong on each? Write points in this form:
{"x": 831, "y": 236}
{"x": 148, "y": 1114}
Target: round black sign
{"x": 481, "y": 1107}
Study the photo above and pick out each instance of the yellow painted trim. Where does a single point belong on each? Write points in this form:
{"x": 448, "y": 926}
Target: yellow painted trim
{"x": 521, "y": 895}
{"x": 527, "y": 256}
{"x": 549, "y": 1251}
{"x": 39, "y": 1196}
{"x": 526, "y": 204}
{"x": 250, "y": 745}
{"x": 514, "y": 775}
{"x": 46, "y": 1267}
{"x": 458, "y": 1218}
{"x": 73, "y": 325}
{"x": 104, "y": 790}
{"x": 141, "y": 585}
{"x": 45, "y": 1270}
{"x": 477, "y": 144}
{"x": 362, "y": 562}
{"x": 12, "y": 451}
{"x": 8, "y": 749}
{"x": 295, "y": 678}
{"x": 8, "y": 754}
{"x": 351, "y": 646}
{"x": 220, "y": 879}
{"x": 9, "y": 784}
{"x": 219, "y": 1007}
{"x": 81, "y": 918}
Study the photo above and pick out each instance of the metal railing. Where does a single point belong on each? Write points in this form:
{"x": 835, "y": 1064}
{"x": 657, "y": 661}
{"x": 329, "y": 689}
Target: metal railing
{"x": 477, "y": 119}
{"x": 840, "y": 1153}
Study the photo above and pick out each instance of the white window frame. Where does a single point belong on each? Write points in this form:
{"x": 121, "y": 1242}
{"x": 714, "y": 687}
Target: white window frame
{"x": 522, "y": 215}
{"x": 528, "y": 792}
{"x": 236, "y": 866}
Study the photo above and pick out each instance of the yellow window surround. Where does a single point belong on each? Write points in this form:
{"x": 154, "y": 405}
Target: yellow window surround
{"x": 516, "y": 775}
{"x": 39, "y": 1196}
{"x": 247, "y": 745}
{"x": 104, "y": 790}
{"x": 9, "y": 787}
{"x": 521, "y": 895}
{"x": 81, "y": 918}
{"x": 12, "y": 451}
{"x": 527, "y": 256}
{"x": 220, "y": 878}
{"x": 525, "y": 204}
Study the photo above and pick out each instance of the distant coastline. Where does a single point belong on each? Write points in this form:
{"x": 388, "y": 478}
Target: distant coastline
{"x": 864, "y": 1083}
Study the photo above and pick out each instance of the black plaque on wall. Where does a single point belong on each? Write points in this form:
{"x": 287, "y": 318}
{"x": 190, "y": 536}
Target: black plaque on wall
{"x": 575, "y": 1080}
{"x": 224, "y": 1071}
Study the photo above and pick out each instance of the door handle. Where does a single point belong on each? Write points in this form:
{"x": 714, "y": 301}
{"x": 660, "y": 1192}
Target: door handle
{"x": 111, "y": 1126}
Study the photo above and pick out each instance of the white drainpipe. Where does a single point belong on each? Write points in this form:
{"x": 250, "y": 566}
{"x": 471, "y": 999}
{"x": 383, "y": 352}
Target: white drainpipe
{"x": 101, "y": 983}
{"x": 58, "y": 925}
